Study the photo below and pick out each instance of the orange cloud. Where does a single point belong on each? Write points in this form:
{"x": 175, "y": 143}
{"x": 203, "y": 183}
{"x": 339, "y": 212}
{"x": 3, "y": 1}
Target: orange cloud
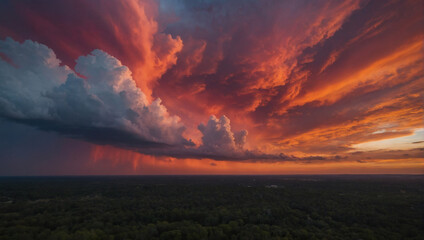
{"x": 144, "y": 164}
{"x": 302, "y": 77}
{"x": 127, "y": 30}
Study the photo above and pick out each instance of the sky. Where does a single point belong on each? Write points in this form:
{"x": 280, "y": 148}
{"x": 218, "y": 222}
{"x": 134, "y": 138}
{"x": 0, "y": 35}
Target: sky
{"x": 211, "y": 87}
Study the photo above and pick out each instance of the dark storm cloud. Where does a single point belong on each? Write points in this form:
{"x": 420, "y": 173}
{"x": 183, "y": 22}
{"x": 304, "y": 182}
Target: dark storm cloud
{"x": 104, "y": 106}
{"x": 97, "y": 135}
{"x": 308, "y": 77}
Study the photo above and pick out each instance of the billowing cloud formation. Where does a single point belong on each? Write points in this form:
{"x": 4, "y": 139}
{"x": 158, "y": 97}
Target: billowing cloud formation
{"x": 99, "y": 102}
{"x": 218, "y": 137}
{"x": 305, "y": 78}
{"x": 128, "y": 30}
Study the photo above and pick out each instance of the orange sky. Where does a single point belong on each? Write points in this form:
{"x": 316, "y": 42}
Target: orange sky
{"x": 337, "y": 86}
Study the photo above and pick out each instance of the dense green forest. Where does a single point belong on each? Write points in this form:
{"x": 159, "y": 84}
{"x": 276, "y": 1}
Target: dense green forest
{"x": 212, "y": 207}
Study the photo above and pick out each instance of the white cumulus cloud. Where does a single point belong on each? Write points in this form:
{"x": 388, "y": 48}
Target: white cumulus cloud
{"x": 36, "y": 89}
{"x": 219, "y": 138}
{"x": 99, "y": 102}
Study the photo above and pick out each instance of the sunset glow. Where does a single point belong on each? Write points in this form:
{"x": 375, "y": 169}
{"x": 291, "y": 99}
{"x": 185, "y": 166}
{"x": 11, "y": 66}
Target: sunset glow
{"x": 211, "y": 87}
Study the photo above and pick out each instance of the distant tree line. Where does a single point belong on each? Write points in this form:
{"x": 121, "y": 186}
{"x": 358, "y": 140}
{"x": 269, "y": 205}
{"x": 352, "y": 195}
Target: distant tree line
{"x": 209, "y": 207}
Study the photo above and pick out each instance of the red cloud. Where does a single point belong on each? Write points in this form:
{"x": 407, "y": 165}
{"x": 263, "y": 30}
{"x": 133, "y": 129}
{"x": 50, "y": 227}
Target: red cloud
{"x": 302, "y": 77}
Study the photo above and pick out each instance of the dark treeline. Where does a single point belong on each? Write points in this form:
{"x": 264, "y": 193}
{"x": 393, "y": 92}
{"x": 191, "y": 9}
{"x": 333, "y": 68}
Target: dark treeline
{"x": 212, "y": 207}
